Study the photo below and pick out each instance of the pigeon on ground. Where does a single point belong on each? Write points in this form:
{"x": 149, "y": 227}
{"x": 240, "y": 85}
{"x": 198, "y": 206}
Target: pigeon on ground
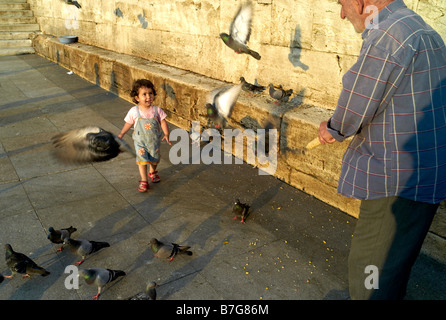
{"x": 74, "y": 3}
{"x": 148, "y": 294}
{"x": 168, "y": 250}
{"x": 249, "y": 87}
{"x": 59, "y": 236}
{"x": 281, "y": 95}
{"x": 85, "y": 248}
{"x": 100, "y": 277}
{"x": 88, "y": 144}
{"x": 19, "y": 263}
{"x": 240, "y": 31}
{"x": 240, "y": 209}
{"x": 220, "y": 103}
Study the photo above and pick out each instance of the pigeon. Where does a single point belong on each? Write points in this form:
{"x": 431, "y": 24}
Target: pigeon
{"x": 100, "y": 277}
{"x": 74, "y": 3}
{"x": 249, "y": 87}
{"x": 168, "y": 250}
{"x": 88, "y": 144}
{"x": 1, "y": 278}
{"x": 59, "y": 236}
{"x": 240, "y": 31}
{"x": 240, "y": 209}
{"x": 281, "y": 95}
{"x": 19, "y": 263}
{"x": 195, "y": 134}
{"x": 220, "y": 103}
{"x": 148, "y": 294}
{"x": 84, "y": 248}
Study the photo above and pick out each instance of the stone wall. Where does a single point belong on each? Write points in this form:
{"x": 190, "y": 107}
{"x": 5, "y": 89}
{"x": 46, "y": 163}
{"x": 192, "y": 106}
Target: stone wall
{"x": 303, "y": 43}
{"x": 304, "y": 46}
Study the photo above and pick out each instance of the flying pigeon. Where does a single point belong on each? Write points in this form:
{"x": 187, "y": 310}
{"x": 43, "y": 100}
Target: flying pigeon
{"x": 19, "y": 263}
{"x": 88, "y": 144}
{"x": 100, "y": 277}
{"x": 59, "y": 236}
{"x": 85, "y": 248}
{"x": 249, "y": 87}
{"x": 148, "y": 294}
{"x": 73, "y": 2}
{"x": 240, "y": 209}
{"x": 195, "y": 133}
{"x": 220, "y": 103}
{"x": 240, "y": 31}
{"x": 281, "y": 95}
{"x": 168, "y": 250}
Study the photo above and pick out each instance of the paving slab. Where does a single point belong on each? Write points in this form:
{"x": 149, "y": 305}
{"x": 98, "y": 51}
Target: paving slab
{"x": 292, "y": 247}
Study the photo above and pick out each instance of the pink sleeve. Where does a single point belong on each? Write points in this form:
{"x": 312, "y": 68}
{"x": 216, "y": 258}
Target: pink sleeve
{"x": 161, "y": 114}
{"x": 131, "y": 116}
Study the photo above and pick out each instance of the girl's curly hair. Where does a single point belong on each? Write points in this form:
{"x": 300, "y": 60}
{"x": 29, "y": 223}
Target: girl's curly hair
{"x": 138, "y": 84}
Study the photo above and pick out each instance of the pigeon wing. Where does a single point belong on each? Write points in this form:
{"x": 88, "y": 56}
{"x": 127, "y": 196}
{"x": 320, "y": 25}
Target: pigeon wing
{"x": 240, "y": 28}
{"x": 88, "y": 144}
{"x": 73, "y": 145}
{"x": 225, "y": 100}
{"x": 18, "y": 262}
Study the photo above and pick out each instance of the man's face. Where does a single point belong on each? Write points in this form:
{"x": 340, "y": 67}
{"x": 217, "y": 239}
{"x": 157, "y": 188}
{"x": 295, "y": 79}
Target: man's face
{"x": 351, "y": 9}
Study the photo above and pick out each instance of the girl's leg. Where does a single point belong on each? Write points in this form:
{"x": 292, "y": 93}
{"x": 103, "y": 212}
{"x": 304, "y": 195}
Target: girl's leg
{"x": 143, "y": 171}
{"x": 143, "y": 184}
{"x": 153, "y": 173}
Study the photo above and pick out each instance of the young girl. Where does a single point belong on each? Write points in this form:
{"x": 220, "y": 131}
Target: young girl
{"x": 148, "y": 121}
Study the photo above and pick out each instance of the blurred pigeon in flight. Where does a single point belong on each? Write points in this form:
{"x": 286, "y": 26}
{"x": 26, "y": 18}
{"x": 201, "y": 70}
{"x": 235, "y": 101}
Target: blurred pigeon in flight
{"x": 240, "y": 31}
{"x": 100, "y": 277}
{"x": 148, "y": 294}
{"x": 19, "y": 263}
{"x": 85, "y": 248}
{"x": 220, "y": 103}
{"x": 168, "y": 250}
{"x": 74, "y": 3}
{"x": 59, "y": 236}
{"x": 240, "y": 210}
{"x": 88, "y": 144}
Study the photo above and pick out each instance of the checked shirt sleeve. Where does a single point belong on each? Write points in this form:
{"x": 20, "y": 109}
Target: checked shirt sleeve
{"x": 366, "y": 87}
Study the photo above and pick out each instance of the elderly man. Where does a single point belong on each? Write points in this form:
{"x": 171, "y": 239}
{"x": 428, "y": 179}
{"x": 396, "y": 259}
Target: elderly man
{"x": 393, "y": 103}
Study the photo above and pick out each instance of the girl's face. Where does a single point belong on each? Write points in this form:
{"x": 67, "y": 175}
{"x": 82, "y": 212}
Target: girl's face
{"x": 145, "y": 97}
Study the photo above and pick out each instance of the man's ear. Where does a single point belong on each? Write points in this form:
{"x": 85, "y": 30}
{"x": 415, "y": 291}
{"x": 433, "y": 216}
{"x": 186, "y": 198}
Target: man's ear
{"x": 360, "y": 4}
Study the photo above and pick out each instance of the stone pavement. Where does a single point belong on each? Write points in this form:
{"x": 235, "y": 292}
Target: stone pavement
{"x": 292, "y": 247}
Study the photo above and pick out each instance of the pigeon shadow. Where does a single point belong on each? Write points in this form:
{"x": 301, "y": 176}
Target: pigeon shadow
{"x": 206, "y": 229}
{"x": 296, "y": 50}
{"x": 175, "y": 283}
{"x": 337, "y": 294}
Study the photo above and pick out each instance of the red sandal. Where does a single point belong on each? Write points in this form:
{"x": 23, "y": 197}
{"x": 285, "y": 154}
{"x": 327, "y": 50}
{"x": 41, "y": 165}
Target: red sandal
{"x": 143, "y": 186}
{"x": 154, "y": 177}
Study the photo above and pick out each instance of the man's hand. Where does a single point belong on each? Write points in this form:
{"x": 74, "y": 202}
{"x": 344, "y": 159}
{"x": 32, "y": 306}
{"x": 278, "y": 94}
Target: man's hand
{"x": 323, "y": 134}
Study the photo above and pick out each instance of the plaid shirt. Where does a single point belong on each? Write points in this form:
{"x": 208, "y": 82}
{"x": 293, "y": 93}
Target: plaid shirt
{"x": 394, "y": 103}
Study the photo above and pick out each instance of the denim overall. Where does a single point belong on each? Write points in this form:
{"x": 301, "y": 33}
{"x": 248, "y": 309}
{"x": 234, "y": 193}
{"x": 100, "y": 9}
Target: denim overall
{"x": 146, "y": 137}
